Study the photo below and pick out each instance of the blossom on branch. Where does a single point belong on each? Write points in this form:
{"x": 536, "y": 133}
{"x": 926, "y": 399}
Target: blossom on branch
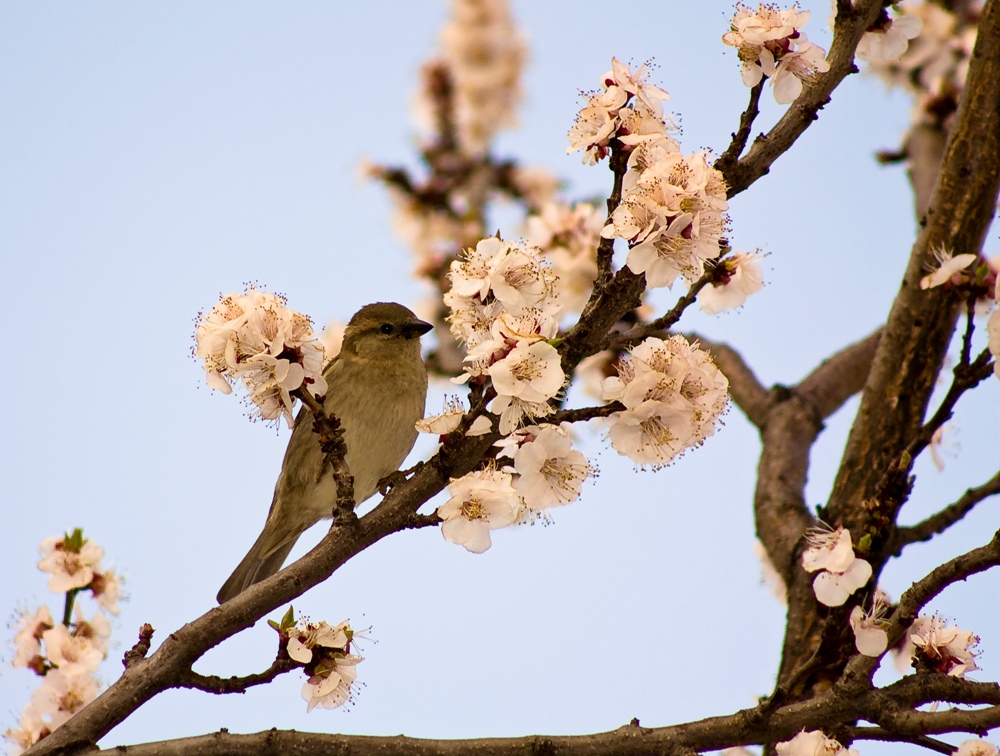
{"x": 568, "y": 236}
{"x": 27, "y": 639}
{"x": 673, "y": 214}
{"x": 935, "y": 646}
{"x": 813, "y": 743}
{"x": 947, "y": 268}
{"x": 330, "y": 685}
{"x": 769, "y": 42}
{"x": 71, "y": 560}
{"x": 254, "y": 338}
{"x": 481, "y": 501}
{"x": 550, "y": 472}
{"x": 870, "y": 637}
{"x": 840, "y": 571}
{"x": 976, "y": 747}
{"x": 734, "y": 278}
{"x": 673, "y": 394}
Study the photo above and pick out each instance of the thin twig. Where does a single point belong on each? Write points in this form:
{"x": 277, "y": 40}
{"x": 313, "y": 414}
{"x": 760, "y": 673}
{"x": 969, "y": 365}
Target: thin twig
{"x": 224, "y": 685}
{"x": 941, "y": 521}
{"x": 732, "y": 154}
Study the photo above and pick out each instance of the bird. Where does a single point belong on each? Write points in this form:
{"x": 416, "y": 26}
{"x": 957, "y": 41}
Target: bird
{"x": 377, "y": 388}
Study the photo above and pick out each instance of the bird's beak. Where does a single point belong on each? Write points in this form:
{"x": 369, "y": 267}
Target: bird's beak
{"x": 414, "y": 329}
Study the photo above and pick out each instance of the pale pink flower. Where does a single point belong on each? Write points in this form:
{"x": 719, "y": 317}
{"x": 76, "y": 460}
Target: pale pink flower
{"x": 481, "y": 501}
{"x": 330, "y": 687}
{"x": 72, "y": 654}
{"x": 769, "y": 576}
{"x": 976, "y": 747}
{"x": 947, "y": 266}
{"x": 870, "y": 638}
{"x": 531, "y": 372}
{"x": 303, "y": 639}
{"x": 634, "y": 83}
{"x": 993, "y": 344}
{"x": 890, "y": 40}
{"x": 841, "y": 572}
{"x": 69, "y": 568}
{"x": 794, "y": 68}
{"x": 32, "y": 729}
{"x": 734, "y": 279}
{"x": 61, "y": 695}
{"x": 946, "y": 649}
{"x": 27, "y": 640}
{"x": 812, "y": 743}
{"x": 106, "y": 587}
{"x": 550, "y": 471}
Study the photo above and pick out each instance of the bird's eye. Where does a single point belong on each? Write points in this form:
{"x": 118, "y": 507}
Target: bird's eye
{"x": 386, "y": 328}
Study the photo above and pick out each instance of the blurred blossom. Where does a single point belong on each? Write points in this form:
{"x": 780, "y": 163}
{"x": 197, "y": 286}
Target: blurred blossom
{"x": 61, "y": 695}
{"x": 769, "y": 575}
{"x": 889, "y": 38}
{"x": 72, "y": 565}
{"x": 813, "y": 743}
{"x": 568, "y": 236}
{"x": 976, "y": 747}
{"x": 27, "y": 639}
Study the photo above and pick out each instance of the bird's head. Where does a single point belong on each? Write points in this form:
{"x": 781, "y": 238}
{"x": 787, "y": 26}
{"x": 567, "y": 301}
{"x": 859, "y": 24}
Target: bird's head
{"x": 383, "y": 330}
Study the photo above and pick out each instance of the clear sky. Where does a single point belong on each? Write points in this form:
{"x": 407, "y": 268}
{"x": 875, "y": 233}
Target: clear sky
{"x": 153, "y": 155}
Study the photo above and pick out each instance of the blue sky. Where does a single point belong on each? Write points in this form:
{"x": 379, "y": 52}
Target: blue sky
{"x": 154, "y": 155}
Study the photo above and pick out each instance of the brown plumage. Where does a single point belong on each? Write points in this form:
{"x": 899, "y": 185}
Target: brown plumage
{"x": 377, "y": 387}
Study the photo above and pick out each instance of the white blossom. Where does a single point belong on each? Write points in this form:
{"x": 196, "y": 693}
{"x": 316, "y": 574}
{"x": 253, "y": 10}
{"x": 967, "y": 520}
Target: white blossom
{"x": 770, "y": 43}
{"x": 32, "y": 728}
{"x": 946, "y": 649}
{"x": 69, "y": 566}
{"x": 307, "y": 636}
{"x": 870, "y": 638}
{"x": 62, "y": 695}
{"x": 568, "y": 236}
{"x": 673, "y": 216}
{"x": 550, "y": 472}
{"x": 27, "y": 639}
{"x": 812, "y": 743}
{"x": 481, "y": 501}
{"x": 106, "y": 588}
{"x": 840, "y": 571}
{"x": 673, "y": 394}
{"x": 946, "y": 267}
{"x": 330, "y": 687}
{"x": 73, "y": 654}
{"x": 531, "y": 371}
{"x": 254, "y": 338}
{"x": 976, "y": 747}
{"x": 734, "y": 279}
{"x": 484, "y": 51}
{"x": 889, "y": 40}
{"x": 769, "y": 575}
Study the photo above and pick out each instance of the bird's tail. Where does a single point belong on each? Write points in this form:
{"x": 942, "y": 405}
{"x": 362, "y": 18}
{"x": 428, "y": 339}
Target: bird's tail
{"x": 263, "y": 560}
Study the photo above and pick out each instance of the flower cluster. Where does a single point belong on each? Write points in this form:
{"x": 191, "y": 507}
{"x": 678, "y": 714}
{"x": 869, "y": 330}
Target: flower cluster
{"x": 936, "y": 50}
{"x": 627, "y": 108}
{"x": 734, "y": 278}
{"x": 66, "y": 655}
{"x": 568, "y": 236}
{"x": 813, "y": 743}
{"x": 931, "y": 645}
{"x": 673, "y": 213}
{"x": 770, "y": 43}
{"x": 673, "y": 395}
{"x": 325, "y": 651}
{"x": 841, "y": 573}
{"x": 484, "y": 52}
{"x": 504, "y": 306}
{"x": 254, "y": 338}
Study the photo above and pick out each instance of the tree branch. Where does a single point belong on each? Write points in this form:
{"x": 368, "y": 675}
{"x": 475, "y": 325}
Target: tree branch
{"x": 220, "y": 685}
{"x": 941, "y": 521}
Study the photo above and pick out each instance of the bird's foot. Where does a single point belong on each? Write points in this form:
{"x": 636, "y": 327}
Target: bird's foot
{"x": 394, "y": 479}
